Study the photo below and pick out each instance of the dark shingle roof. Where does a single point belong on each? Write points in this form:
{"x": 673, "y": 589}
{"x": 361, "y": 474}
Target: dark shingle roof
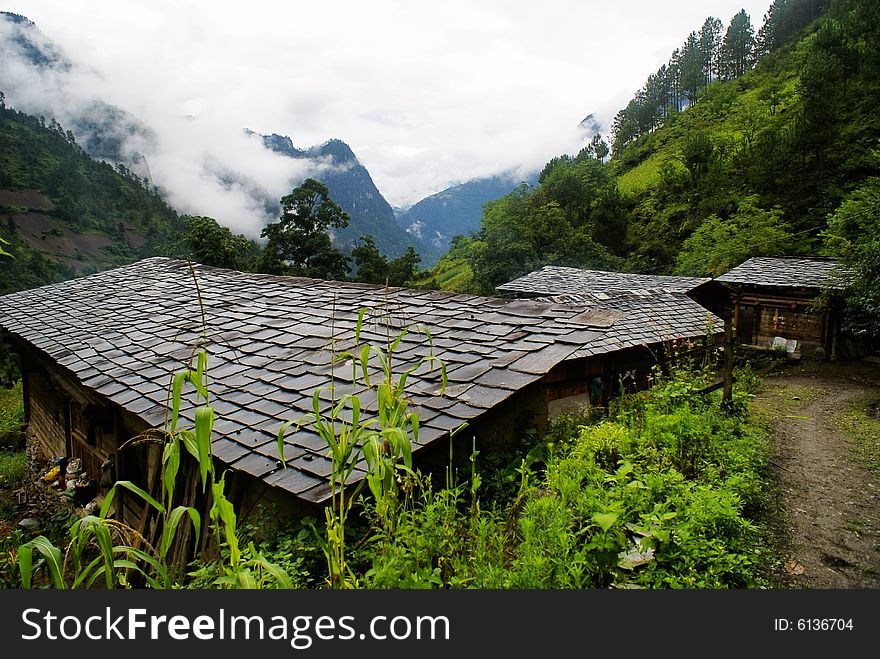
{"x": 787, "y": 272}
{"x": 124, "y": 332}
{"x": 641, "y": 319}
{"x": 557, "y": 280}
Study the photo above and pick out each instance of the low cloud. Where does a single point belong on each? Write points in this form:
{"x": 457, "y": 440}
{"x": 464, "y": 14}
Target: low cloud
{"x": 203, "y": 164}
{"x": 426, "y": 94}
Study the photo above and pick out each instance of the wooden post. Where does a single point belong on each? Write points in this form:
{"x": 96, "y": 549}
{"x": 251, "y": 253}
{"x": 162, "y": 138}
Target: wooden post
{"x": 727, "y": 394}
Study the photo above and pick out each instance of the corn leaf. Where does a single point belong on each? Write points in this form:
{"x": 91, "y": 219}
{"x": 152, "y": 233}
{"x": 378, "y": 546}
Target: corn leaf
{"x": 204, "y": 425}
{"x": 50, "y": 553}
{"x": 131, "y": 487}
{"x": 171, "y": 460}
{"x": 172, "y": 524}
{"x": 176, "y": 395}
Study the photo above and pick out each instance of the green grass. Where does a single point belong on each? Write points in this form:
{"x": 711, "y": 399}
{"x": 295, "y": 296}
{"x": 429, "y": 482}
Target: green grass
{"x": 12, "y": 467}
{"x": 450, "y": 274}
{"x": 779, "y": 401}
{"x": 861, "y": 421}
{"x": 11, "y": 417}
{"x": 642, "y": 177}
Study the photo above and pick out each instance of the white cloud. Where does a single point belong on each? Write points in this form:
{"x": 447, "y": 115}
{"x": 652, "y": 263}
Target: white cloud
{"x": 426, "y": 94}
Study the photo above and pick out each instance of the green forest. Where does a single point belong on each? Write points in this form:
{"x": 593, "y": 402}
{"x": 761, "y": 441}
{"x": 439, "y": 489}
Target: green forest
{"x": 87, "y": 215}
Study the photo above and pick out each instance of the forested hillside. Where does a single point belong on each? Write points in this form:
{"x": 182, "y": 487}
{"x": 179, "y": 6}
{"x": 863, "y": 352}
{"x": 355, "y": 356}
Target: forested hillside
{"x": 65, "y": 214}
{"x": 747, "y": 142}
{"x": 351, "y": 186}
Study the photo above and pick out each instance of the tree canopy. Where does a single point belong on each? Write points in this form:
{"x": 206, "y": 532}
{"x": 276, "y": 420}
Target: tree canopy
{"x": 573, "y": 217}
{"x": 719, "y": 245}
{"x": 373, "y": 268}
{"x": 299, "y": 243}
{"x": 207, "y": 242}
{"x": 854, "y": 235}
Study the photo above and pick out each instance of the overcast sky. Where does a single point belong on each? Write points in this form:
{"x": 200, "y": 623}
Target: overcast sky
{"x": 426, "y": 94}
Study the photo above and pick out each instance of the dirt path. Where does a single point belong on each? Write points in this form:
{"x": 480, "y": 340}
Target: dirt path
{"x": 829, "y": 501}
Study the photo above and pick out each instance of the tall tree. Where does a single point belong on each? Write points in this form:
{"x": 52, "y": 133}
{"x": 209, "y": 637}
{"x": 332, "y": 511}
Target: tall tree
{"x": 738, "y": 48}
{"x": 299, "y": 243}
{"x": 710, "y": 47}
{"x": 691, "y": 69}
{"x": 624, "y": 128}
{"x": 784, "y": 19}
{"x": 403, "y": 268}
{"x": 854, "y": 234}
{"x": 370, "y": 264}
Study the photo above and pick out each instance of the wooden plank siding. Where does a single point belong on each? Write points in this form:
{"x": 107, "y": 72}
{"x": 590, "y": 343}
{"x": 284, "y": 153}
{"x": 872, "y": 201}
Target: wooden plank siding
{"x": 760, "y": 318}
{"x": 46, "y": 414}
{"x": 68, "y": 420}
{"x": 571, "y": 383}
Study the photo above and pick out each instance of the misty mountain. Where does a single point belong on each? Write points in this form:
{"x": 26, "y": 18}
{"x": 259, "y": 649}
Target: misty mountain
{"x": 32, "y": 44}
{"x": 455, "y": 211}
{"x": 183, "y": 157}
{"x": 39, "y": 80}
{"x": 105, "y": 131}
{"x": 65, "y": 214}
{"x": 351, "y": 187}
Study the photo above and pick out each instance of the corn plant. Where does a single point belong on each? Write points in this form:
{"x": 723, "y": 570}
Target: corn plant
{"x": 133, "y": 552}
{"x": 114, "y": 562}
{"x": 384, "y": 440}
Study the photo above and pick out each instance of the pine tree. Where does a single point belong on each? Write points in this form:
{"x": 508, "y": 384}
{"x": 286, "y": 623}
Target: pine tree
{"x": 710, "y": 46}
{"x": 738, "y": 47}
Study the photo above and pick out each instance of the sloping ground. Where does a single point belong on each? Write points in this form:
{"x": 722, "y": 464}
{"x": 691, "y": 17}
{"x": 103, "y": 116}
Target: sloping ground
{"x": 828, "y": 526}
{"x": 79, "y": 251}
{"x": 31, "y": 199}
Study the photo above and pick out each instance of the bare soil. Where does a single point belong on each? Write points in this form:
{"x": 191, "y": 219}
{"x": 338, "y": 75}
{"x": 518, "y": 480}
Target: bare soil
{"x": 32, "y": 199}
{"x": 828, "y": 519}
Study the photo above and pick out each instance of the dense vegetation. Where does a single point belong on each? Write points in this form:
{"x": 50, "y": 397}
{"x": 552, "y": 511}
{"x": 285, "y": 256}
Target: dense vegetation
{"x": 667, "y": 492}
{"x": 664, "y": 494}
{"x": 710, "y": 167}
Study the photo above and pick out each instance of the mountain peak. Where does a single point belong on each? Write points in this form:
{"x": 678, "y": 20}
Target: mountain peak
{"x": 26, "y": 36}
{"x": 339, "y": 152}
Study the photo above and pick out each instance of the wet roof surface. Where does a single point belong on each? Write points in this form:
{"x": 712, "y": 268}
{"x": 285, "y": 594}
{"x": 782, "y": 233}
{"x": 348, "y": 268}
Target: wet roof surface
{"x": 557, "y": 280}
{"x": 271, "y": 340}
{"x": 788, "y": 272}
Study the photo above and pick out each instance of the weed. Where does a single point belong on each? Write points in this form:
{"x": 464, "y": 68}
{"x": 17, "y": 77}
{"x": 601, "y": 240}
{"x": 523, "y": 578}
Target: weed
{"x": 861, "y": 423}
{"x": 12, "y": 417}
{"x": 13, "y": 465}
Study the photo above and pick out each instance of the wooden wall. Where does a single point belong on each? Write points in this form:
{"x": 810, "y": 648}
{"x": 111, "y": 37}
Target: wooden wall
{"x": 791, "y": 324}
{"x": 759, "y": 318}
{"x": 47, "y": 411}
{"x": 69, "y": 420}
{"x": 594, "y": 380}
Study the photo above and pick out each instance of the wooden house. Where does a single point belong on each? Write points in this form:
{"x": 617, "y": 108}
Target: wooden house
{"x": 648, "y": 320}
{"x": 792, "y": 303}
{"x": 99, "y": 353}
